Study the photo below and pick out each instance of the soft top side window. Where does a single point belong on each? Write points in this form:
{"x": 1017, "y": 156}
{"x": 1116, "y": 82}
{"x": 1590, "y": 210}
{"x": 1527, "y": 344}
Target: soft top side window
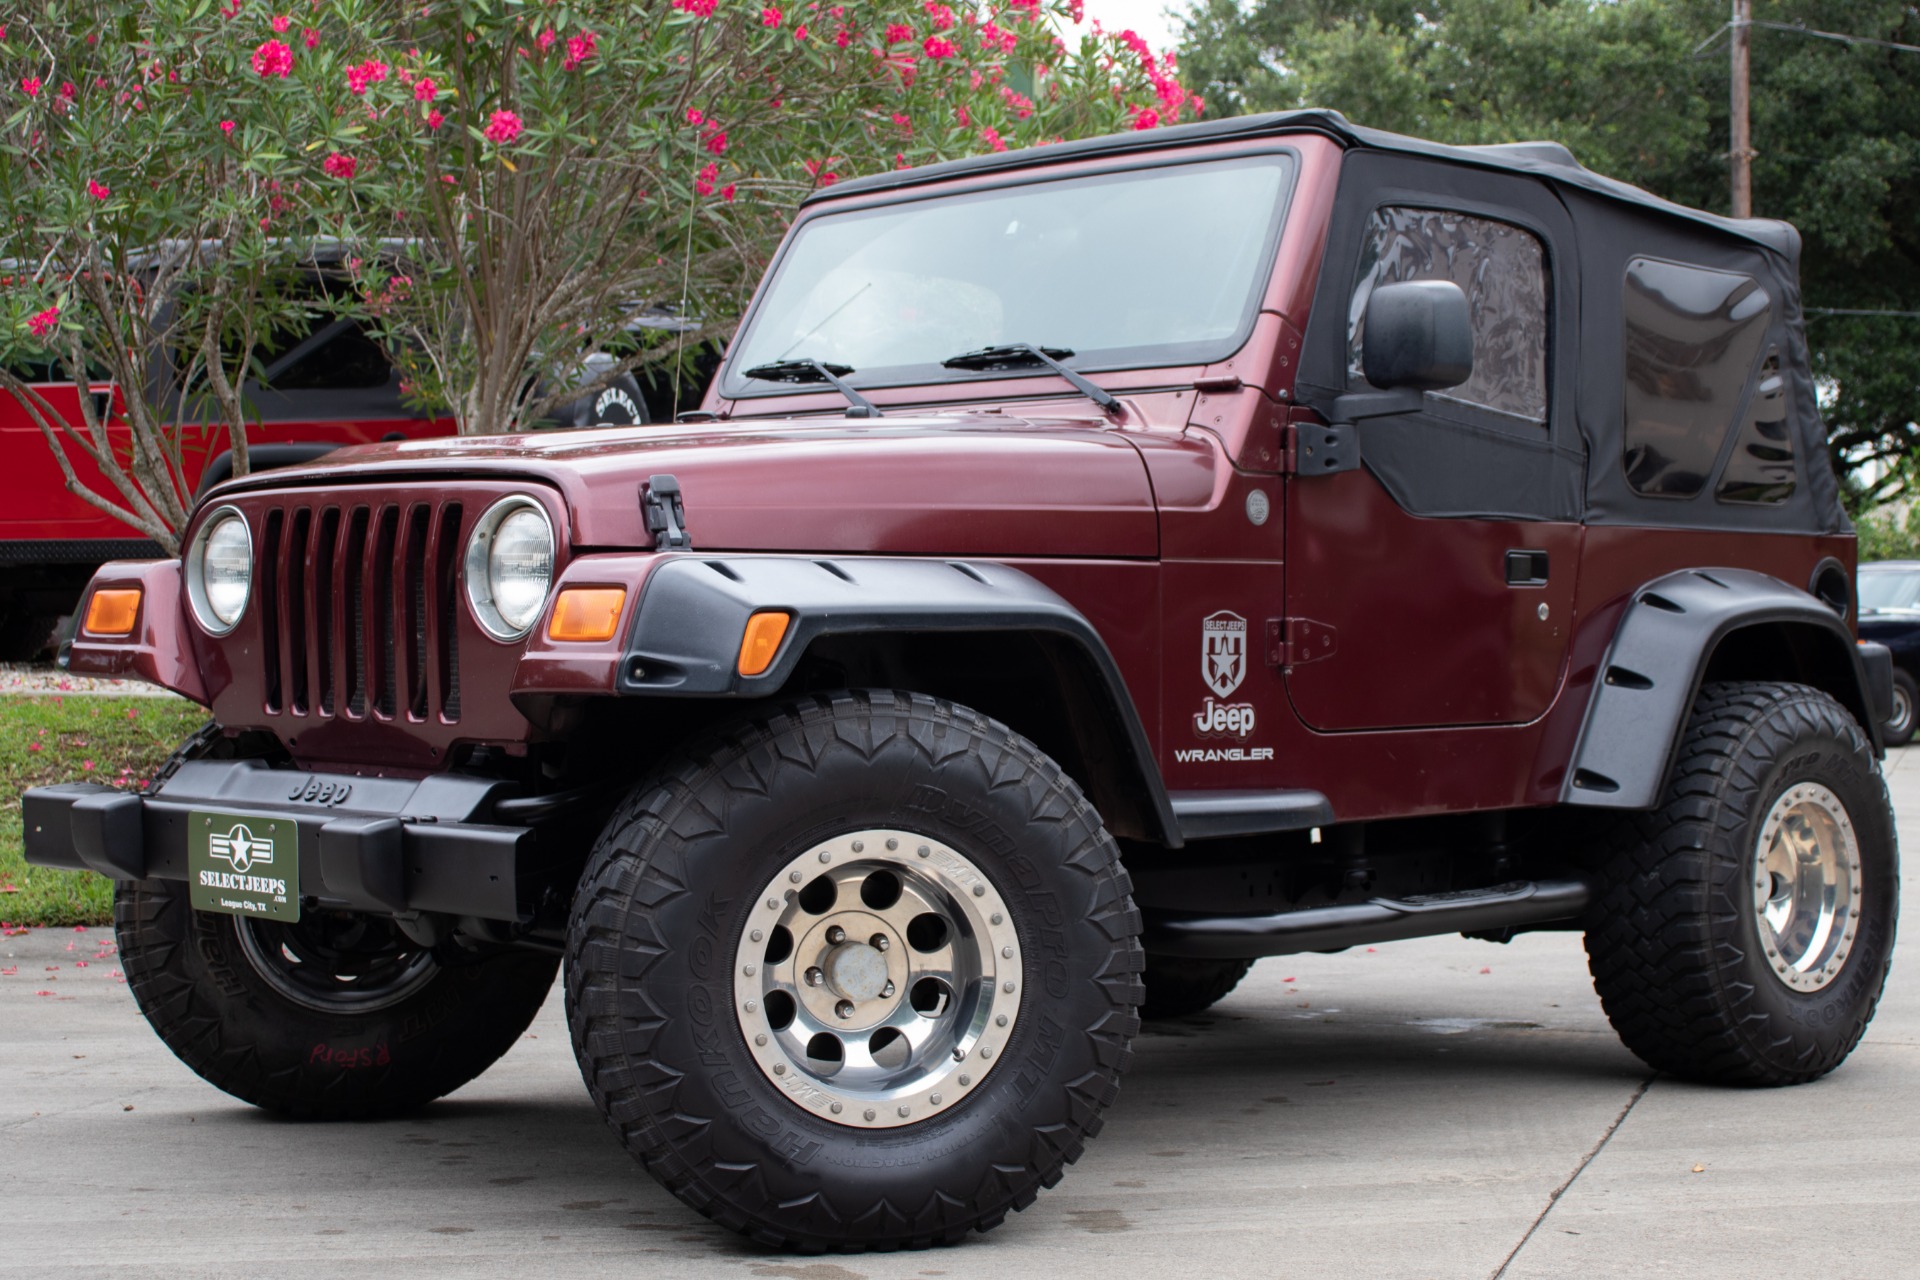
{"x": 1693, "y": 336}
{"x": 1501, "y": 267}
{"x": 1761, "y": 467}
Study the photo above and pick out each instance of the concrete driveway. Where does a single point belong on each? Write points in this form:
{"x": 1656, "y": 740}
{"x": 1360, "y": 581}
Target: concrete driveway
{"x": 1433, "y": 1108}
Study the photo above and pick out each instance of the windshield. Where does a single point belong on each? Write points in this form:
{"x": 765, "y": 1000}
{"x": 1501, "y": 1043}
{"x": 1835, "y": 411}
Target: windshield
{"x": 1884, "y": 589}
{"x": 1155, "y": 266}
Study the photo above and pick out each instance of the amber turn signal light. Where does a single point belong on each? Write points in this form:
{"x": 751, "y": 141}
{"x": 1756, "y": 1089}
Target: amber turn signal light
{"x": 765, "y": 631}
{"x": 586, "y": 613}
{"x": 112, "y": 613}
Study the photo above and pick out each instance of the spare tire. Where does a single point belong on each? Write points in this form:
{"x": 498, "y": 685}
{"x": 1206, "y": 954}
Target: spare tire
{"x": 618, "y": 404}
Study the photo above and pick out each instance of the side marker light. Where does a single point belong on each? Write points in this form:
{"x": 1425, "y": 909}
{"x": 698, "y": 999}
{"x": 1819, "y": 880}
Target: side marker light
{"x": 112, "y": 612}
{"x": 765, "y": 631}
{"x": 587, "y": 613}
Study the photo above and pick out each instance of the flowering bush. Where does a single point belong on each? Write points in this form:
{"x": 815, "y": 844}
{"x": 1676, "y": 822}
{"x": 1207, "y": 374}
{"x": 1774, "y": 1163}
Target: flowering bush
{"x": 150, "y": 159}
{"x": 548, "y": 181}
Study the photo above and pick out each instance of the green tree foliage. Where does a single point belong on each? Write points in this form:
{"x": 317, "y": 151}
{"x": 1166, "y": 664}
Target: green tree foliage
{"x": 1639, "y": 90}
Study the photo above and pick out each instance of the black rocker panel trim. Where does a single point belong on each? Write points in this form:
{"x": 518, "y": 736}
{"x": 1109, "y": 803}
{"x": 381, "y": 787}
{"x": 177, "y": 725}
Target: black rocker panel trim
{"x": 685, "y": 640}
{"x": 1660, "y": 655}
{"x": 1215, "y": 815}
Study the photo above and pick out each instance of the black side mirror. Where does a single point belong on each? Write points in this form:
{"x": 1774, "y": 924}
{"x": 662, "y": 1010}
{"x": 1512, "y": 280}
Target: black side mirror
{"x": 1419, "y": 335}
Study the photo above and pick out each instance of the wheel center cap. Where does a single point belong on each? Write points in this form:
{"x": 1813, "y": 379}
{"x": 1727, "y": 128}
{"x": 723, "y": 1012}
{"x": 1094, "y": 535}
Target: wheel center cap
{"x": 857, "y": 971}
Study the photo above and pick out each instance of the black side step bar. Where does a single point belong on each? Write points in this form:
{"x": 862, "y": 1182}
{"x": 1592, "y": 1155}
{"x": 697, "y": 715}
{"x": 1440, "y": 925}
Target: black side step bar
{"x": 1521, "y": 902}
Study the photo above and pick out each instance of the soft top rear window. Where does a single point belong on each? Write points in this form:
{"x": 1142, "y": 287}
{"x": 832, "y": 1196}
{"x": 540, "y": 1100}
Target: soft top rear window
{"x": 1150, "y": 266}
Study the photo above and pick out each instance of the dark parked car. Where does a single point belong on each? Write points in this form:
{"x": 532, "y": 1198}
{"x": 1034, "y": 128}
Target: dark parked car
{"x": 1890, "y": 614}
{"x": 1094, "y": 568}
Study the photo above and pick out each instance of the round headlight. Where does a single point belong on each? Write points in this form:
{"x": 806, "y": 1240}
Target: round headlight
{"x": 510, "y": 567}
{"x": 220, "y": 571}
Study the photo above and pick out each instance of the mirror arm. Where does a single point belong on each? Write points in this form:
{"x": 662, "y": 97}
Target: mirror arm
{"x": 1355, "y": 405}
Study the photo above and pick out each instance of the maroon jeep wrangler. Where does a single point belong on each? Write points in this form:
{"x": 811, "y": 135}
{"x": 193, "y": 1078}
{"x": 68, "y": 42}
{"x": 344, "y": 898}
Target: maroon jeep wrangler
{"x": 1094, "y": 569}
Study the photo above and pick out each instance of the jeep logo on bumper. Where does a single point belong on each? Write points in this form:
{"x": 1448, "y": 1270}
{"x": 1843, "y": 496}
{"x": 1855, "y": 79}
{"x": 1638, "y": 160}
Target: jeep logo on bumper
{"x": 315, "y": 791}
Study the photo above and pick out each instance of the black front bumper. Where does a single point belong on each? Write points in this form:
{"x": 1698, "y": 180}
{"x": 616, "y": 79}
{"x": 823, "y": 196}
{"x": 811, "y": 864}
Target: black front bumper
{"x": 385, "y": 845}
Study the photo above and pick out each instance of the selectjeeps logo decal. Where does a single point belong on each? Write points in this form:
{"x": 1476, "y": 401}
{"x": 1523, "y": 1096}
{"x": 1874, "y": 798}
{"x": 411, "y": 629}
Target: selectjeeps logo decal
{"x": 1223, "y": 652}
{"x": 240, "y": 848}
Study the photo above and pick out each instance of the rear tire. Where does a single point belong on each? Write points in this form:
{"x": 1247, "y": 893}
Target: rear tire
{"x": 1898, "y": 730}
{"x": 1742, "y": 931}
{"x": 1178, "y": 986}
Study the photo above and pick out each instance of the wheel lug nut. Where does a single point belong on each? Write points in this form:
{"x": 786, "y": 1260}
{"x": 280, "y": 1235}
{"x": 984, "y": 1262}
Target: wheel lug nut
{"x": 888, "y": 989}
{"x": 844, "y": 1008}
{"x": 815, "y": 977}
{"x": 836, "y": 935}
{"x": 879, "y": 942}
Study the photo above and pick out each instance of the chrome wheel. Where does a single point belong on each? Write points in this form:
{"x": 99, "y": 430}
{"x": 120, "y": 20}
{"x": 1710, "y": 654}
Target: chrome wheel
{"x": 1806, "y": 886}
{"x": 344, "y": 964}
{"x": 1900, "y": 722}
{"x": 878, "y": 979}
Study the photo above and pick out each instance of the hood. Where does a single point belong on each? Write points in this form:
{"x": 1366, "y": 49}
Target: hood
{"x": 985, "y": 485}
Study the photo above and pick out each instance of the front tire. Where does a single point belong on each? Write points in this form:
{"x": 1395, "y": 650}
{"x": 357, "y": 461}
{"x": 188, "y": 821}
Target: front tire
{"x": 799, "y": 967}
{"x": 1742, "y": 931}
{"x": 336, "y": 1017}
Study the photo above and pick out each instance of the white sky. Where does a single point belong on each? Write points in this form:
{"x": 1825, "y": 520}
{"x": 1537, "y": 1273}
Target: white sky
{"x": 1143, "y": 16}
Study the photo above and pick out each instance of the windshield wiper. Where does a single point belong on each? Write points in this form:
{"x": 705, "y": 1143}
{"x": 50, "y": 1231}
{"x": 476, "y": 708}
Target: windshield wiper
{"x": 815, "y": 371}
{"x": 1013, "y": 355}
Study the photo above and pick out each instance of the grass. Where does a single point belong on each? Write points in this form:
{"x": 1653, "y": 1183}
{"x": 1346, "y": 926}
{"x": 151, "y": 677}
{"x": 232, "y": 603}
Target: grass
{"x": 118, "y": 741}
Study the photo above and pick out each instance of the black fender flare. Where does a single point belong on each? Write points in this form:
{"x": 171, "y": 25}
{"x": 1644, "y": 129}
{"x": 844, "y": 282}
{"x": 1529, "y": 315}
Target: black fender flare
{"x": 685, "y": 637}
{"x": 1661, "y": 651}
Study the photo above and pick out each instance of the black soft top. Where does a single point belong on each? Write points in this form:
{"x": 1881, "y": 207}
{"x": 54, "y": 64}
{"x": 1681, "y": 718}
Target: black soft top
{"x": 1548, "y": 160}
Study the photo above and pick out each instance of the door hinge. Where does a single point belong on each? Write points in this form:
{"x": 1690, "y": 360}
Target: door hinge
{"x": 1316, "y": 449}
{"x": 665, "y": 512}
{"x": 1294, "y": 642}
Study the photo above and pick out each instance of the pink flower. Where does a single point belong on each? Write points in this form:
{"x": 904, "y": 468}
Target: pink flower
{"x": 696, "y": 116}
{"x": 370, "y": 72}
{"x": 698, "y": 8}
{"x": 546, "y": 39}
{"x": 942, "y": 15}
{"x": 43, "y": 323}
{"x": 717, "y": 142}
{"x": 704, "y": 183}
{"x": 281, "y": 22}
{"x": 800, "y": 32}
{"x": 273, "y": 60}
{"x": 726, "y": 193}
{"x": 579, "y": 49}
{"x": 905, "y": 123}
{"x": 818, "y": 171}
{"x": 425, "y": 91}
{"x": 340, "y": 166}
{"x": 434, "y": 121}
{"x": 503, "y": 128}
{"x": 67, "y": 90}
{"x": 899, "y": 33}
{"x": 87, "y": 767}
{"x": 769, "y": 17}
{"x": 97, "y": 189}
{"x": 900, "y": 160}
{"x": 992, "y": 138}
{"x": 1147, "y": 118}
{"x": 30, "y": 85}
{"x": 962, "y": 116}
{"x": 1077, "y": 10}
{"x": 938, "y": 47}
{"x": 311, "y": 38}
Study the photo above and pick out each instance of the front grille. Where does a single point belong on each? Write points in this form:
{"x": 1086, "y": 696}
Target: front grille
{"x": 360, "y": 609}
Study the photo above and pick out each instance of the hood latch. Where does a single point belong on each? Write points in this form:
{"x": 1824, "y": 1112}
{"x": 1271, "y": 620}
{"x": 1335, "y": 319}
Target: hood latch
{"x": 666, "y": 513}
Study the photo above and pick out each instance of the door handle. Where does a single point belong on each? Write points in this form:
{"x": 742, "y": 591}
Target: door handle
{"x": 1526, "y": 568}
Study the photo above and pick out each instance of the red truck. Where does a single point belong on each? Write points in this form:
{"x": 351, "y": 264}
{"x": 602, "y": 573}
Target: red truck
{"x": 1094, "y": 569}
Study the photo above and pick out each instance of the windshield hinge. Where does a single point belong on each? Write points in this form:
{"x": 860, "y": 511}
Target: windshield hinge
{"x": 666, "y": 513}
{"x": 1294, "y": 642}
{"x": 1319, "y": 449}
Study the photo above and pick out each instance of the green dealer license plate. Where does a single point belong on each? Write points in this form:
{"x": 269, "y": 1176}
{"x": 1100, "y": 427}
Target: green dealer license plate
{"x": 244, "y": 864}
